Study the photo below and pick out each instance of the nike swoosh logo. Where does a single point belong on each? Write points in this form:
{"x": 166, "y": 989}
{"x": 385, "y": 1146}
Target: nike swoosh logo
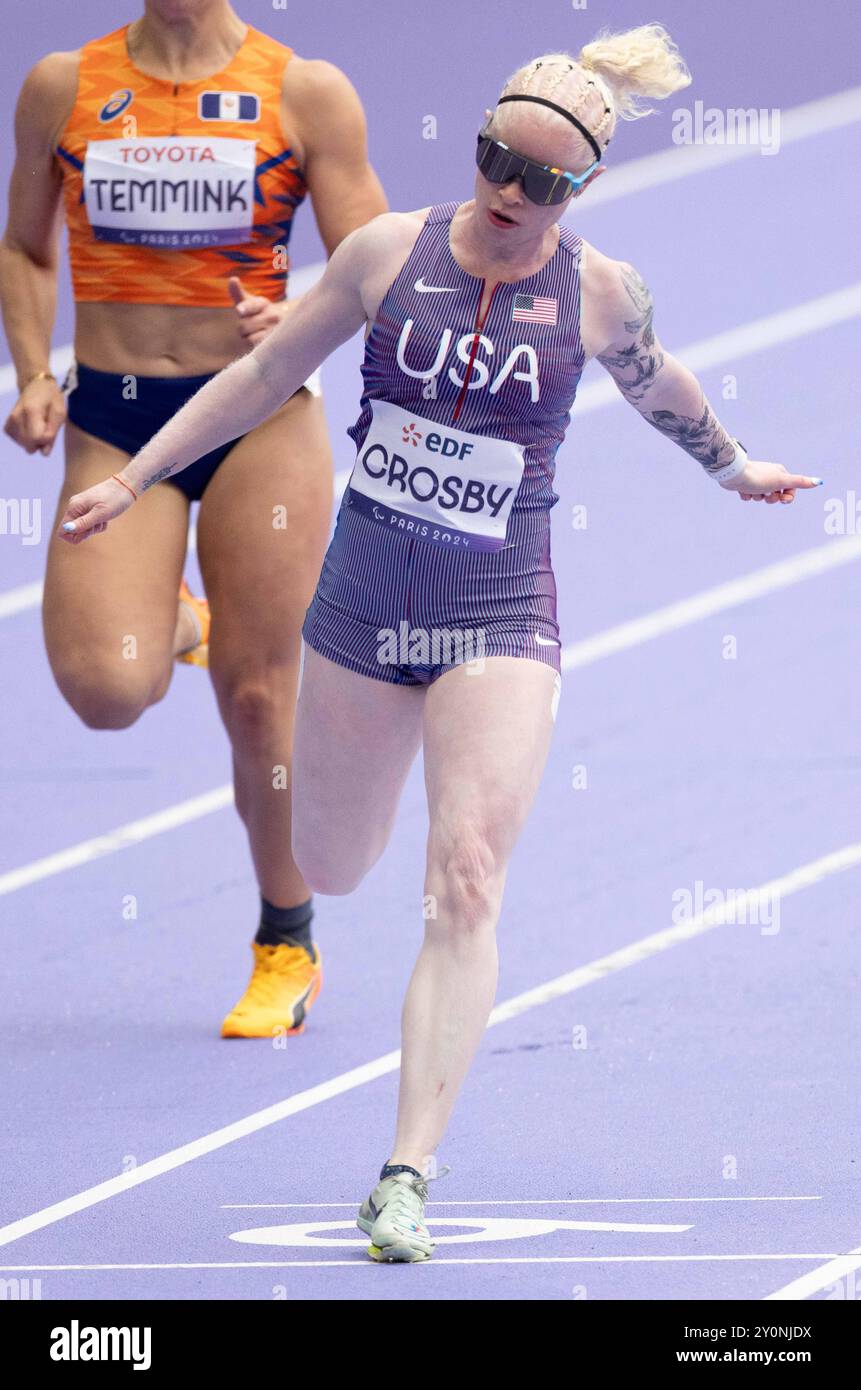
{"x": 545, "y": 641}
{"x": 433, "y": 289}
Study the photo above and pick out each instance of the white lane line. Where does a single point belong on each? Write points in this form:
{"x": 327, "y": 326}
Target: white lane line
{"x": 632, "y": 176}
{"x": 19, "y": 600}
{"x": 122, "y": 838}
{"x": 438, "y": 1260}
{"x": 805, "y": 565}
{"x": 730, "y": 346}
{"x": 512, "y": 1202}
{"x": 802, "y": 877}
{"x": 653, "y": 170}
{"x": 843, "y": 550}
{"x": 839, "y": 1267}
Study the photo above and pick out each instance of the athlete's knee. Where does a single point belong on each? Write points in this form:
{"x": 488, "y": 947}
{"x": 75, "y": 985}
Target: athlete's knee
{"x": 465, "y": 872}
{"x": 104, "y": 697}
{"x": 254, "y": 708}
{"x": 324, "y": 869}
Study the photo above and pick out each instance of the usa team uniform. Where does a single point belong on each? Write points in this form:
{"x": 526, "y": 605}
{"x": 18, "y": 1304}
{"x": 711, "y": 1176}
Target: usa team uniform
{"x": 444, "y": 529}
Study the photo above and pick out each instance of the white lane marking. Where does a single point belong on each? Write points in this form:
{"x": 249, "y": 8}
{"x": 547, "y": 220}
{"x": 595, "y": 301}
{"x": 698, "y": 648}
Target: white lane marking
{"x": 122, "y": 838}
{"x": 632, "y": 176}
{"x": 842, "y": 550}
{"x": 459, "y": 1260}
{"x": 804, "y": 565}
{"x": 512, "y": 1202}
{"x": 839, "y": 1267}
{"x": 802, "y": 877}
{"x": 19, "y": 600}
{"x": 652, "y": 170}
{"x": 768, "y": 331}
{"x": 312, "y": 1235}
{"x": 30, "y": 595}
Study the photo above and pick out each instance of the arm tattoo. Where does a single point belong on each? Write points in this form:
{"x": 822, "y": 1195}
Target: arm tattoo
{"x": 157, "y": 477}
{"x": 634, "y": 367}
{"x": 704, "y": 439}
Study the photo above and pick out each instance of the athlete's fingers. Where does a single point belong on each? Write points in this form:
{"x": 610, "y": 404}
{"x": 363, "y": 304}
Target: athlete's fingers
{"x": 236, "y": 289}
{"x": 795, "y": 480}
{"x": 30, "y": 429}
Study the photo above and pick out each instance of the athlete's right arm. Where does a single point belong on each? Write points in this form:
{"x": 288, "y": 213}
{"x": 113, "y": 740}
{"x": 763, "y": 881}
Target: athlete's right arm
{"x": 29, "y": 249}
{"x": 254, "y": 386}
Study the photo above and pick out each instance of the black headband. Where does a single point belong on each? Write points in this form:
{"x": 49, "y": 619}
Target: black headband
{"x": 562, "y": 112}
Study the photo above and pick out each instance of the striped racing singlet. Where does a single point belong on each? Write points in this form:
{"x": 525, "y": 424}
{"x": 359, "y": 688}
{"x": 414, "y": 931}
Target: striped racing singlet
{"x": 445, "y": 525}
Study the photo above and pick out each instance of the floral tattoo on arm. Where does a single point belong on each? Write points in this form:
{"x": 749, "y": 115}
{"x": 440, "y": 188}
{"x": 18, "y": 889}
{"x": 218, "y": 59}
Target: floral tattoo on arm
{"x": 704, "y": 439}
{"x": 635, "y": 367}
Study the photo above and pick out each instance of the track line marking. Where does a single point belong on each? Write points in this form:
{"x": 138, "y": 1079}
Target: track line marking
{"x": 467, "y": 1260}
{"x": 652, "y": 170}
{"x": 839, "y": 1267}
{"x": 805, "y": 564}
{"x": 802, "y": 877}
{"x": 123, "y": 837}
{"x": 512, "y": 1202}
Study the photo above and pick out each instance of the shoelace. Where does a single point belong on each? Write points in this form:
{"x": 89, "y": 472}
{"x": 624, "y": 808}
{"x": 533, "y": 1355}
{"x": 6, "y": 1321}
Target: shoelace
{"x": 399, "y": 1199}
{"x": 271, "y": 970}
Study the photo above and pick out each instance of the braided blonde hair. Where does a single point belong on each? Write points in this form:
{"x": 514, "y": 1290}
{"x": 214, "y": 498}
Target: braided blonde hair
{"x": 605, "y": 81}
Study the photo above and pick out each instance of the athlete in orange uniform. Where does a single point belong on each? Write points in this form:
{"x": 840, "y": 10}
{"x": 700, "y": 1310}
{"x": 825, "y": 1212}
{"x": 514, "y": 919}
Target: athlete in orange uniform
{"x": 181, "y": 145}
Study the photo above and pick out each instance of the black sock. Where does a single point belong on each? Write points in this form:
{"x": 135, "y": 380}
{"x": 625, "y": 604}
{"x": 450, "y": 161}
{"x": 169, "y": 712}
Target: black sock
{"x": 290, "y": 926}
{"x": 389, "y": 1170}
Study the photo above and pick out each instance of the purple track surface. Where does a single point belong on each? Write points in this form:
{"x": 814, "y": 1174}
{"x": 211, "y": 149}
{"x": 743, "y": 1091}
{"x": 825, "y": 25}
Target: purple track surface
{"x": 715, "y": 1093}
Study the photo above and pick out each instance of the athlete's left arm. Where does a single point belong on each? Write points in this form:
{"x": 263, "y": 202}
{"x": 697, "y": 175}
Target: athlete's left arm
{"x": 668, "y": 395}
{"x": 324, "y": 109}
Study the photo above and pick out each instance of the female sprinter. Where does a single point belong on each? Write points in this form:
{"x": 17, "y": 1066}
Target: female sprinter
{"x": 182, "y": 145}
{"x": 474, "y": 351}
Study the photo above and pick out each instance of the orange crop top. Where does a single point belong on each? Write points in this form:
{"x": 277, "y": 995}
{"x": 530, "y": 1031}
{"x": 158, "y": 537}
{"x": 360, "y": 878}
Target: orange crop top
{"x": 169, "y": 188}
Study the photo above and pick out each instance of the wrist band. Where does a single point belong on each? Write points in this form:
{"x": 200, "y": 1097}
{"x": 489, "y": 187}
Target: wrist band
{"x": 728, "y": 471}
{"x": 128, "y": 487}
{"x": 37, "y": 376}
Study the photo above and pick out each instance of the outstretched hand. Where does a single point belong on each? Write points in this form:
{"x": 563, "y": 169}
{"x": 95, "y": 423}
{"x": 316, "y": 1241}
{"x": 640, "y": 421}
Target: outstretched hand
{"x": 768, "y": 482}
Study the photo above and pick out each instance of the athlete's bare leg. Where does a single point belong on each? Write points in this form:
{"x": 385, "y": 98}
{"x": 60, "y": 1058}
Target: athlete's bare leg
{"x": 261, "y": 535}
{"x": 486, "y": 738}
{"x": 111, "y": 617}
{"x": 355, "y": 741}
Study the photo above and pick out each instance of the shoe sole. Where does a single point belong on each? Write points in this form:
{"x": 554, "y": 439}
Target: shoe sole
{"x": 198, "y": 656}
{"x": 397, "y": 1254}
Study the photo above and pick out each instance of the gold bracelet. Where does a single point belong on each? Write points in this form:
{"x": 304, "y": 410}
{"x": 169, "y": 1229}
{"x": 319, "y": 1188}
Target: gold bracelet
{"x": 37, "y": 376}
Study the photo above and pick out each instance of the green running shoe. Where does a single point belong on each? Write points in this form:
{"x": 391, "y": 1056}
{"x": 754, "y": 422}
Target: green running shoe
{"x": 393, "y": 1216}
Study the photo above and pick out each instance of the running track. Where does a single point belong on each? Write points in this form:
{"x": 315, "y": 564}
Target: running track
{"x": 714, "y": 1100}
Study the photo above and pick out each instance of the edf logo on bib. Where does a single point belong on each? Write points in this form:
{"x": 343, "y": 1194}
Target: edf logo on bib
{"x": 436, "y": 474}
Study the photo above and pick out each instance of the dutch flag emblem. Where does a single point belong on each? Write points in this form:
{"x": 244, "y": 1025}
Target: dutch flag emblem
{"x": 228, "y": 106}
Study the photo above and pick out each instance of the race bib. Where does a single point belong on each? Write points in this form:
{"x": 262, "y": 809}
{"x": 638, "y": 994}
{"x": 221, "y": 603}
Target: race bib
{"x": 172, "y": 191}
{"x": 433, "y": 482}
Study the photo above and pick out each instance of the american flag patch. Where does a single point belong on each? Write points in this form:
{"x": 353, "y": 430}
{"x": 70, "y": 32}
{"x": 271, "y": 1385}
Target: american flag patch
{"x": 531, "y": 308}
{"x": 228, "y": 106}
